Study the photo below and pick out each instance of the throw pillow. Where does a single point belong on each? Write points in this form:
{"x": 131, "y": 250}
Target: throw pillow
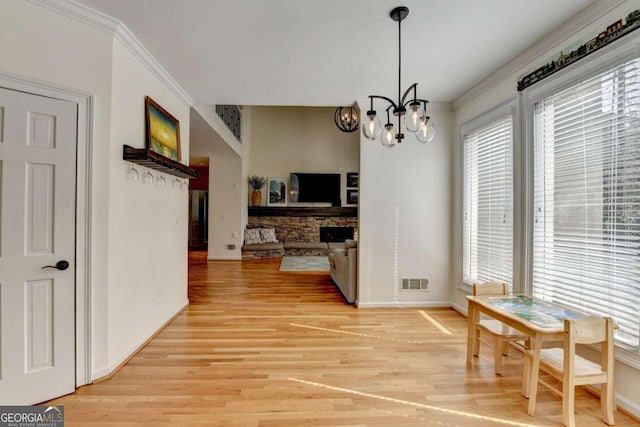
{"x": 252, "y": 236}
{"x": 268, "y": 235}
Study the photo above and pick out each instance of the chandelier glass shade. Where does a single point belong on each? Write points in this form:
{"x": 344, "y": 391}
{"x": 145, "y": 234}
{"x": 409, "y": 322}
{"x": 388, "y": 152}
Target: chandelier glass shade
{"x": 409, "y": 110}
{"x": 346, "y": 119}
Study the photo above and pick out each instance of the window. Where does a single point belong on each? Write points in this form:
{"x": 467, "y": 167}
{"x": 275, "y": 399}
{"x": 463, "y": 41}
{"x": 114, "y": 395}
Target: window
{"x": 586, "y": 198}
{"x": 488, "y": 202}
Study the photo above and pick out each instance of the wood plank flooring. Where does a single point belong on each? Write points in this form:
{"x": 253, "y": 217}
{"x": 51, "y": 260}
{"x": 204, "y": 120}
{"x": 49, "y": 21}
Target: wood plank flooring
{"x": 258, "y": 348}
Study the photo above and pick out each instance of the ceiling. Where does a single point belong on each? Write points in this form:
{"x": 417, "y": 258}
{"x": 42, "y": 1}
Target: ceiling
{"x": 332, "y": 52}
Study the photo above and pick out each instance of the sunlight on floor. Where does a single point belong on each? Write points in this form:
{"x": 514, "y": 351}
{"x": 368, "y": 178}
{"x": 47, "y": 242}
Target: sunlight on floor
{"x": 414, "y": 404}
{"x": 337, "y": 331}
{"x": 434, "y": 322}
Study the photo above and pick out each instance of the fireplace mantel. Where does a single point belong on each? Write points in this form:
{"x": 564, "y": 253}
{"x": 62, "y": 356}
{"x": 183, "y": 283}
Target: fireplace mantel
{"x": 303, "y": 211}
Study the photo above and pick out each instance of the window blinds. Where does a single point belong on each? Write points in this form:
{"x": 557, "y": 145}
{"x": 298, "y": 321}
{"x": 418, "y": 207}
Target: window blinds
{"x": 488, "y": 203}
{"x": 586, "y": 231}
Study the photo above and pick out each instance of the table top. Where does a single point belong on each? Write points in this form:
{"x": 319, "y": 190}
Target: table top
{"x": 540, "y": 313}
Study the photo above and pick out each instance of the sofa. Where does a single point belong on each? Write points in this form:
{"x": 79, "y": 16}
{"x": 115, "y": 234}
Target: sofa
{"x": 343, "y": 267}
{"x": 264, "y": 243}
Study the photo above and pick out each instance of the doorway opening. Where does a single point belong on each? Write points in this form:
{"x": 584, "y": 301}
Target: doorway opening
{"x": 199, "y": 207}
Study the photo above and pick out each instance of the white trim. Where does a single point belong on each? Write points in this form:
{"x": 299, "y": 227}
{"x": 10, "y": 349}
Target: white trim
{"x": 510, "y": 106}
{"x": 617, "y": 52}
{"x": 489, "y": 115}
{"x": 137, "y": 346}
{"x": 103, "y": 22}
{"x": 629, "y": 406}
{"x": 540, "y": 49}
{"x": 224, "y": 258}
{"x": 134, "y": 46}
{"x": 410, "y": 304}
{"x": 80, "y": 13}
{"x": 83, "y": 211}
{"x": 459, "y": 309}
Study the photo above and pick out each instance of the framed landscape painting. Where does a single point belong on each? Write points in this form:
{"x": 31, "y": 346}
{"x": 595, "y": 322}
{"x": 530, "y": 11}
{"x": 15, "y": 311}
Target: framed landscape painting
{"x": 163, "y": 130}
{"x": 277, "y": 189}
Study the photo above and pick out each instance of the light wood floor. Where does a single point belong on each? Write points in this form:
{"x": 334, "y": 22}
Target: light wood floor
{"x": 258, "y": 347}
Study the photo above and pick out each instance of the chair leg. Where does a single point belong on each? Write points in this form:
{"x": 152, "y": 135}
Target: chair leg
{"x": 526, "y": 374}
{"x": 534, "y": 372}
{"x": 505, "y": 348}
{"x": 607, "y": 403}
{"x": 476, "y": 343}
{"x": 497, "y": 354}
{"x": 533, "y": 394}
{"x": 568, "y": 403}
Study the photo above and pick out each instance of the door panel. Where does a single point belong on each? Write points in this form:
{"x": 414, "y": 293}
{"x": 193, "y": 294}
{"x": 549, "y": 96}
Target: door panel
{"x": 41, "y": 130}
{"x": 39, "y": 210}
{"x": 37, "y": 229}
{"x": 39, "y": 325}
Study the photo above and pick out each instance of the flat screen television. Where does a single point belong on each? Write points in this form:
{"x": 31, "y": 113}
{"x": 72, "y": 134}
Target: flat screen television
{"x": 315, "y": 188}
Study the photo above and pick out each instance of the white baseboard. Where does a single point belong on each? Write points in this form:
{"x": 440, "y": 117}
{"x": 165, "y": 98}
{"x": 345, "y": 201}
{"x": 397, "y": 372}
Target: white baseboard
{"x": 225, "y": 258}
{"x": 459, "y": 309}
{"x": 104, "y": 373}
{"x": 631, "y": 408}
{"x": 100, "y": 373}
{"x": 404, "y": 304}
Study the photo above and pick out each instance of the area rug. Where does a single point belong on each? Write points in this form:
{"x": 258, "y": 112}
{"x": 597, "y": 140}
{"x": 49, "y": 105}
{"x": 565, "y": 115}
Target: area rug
{"x": 304, "y": 263}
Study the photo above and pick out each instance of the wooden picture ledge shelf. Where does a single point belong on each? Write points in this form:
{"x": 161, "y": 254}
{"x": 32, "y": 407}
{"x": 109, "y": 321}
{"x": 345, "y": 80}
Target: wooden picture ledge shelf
{"x": 153, "y": 160}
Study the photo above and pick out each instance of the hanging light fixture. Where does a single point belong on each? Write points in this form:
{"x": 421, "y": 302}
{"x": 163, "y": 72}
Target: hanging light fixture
{"x": 412, "y": 112}
{"x": 346, "y": 118}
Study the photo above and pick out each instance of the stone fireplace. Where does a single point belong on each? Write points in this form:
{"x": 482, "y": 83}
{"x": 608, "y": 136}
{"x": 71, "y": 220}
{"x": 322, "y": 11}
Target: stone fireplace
{"x": 301, "y": 224}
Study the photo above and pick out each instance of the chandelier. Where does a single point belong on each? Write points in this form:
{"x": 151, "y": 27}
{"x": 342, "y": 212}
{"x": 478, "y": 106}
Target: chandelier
{"x": 346, "y": 119}
{"x": 411, "y": 112}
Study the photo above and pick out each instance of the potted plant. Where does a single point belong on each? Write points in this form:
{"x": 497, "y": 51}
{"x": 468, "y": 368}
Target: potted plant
{"x": 256, "y": 183}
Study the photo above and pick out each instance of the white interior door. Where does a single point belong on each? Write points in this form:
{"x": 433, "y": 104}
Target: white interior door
{"x": 37, "y": 229}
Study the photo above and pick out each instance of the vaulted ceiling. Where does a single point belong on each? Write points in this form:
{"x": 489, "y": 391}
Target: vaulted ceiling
{"x": 331, "y": 52}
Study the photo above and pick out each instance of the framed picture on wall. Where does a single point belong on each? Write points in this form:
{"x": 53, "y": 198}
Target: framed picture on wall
{"x": 352, "y": 179}
{"x": 163, "y": 130}
{"x": 277, "y": 192}
{"x": 352, "y": 197}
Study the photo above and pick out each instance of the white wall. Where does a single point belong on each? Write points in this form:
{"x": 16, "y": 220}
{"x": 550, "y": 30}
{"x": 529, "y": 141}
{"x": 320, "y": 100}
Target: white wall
{"x": 405, "y": 217}
{"x": 300, "y": 139}
{"x": 147, "y": 222}
{"x": 41, "y": 45}
{"x": 225, "y": 200}
{"x": 477, "y": 102}
{"x": 227, "y": 189}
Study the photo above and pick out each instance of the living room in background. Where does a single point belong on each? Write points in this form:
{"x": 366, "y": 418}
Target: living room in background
{"x": 488, "y": 197}
{"x": 585, "y": 212}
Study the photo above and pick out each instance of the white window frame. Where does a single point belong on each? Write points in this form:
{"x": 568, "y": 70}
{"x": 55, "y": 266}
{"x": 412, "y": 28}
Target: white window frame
{"x": 618, "y": 52}
{"x": 510, "y": 107}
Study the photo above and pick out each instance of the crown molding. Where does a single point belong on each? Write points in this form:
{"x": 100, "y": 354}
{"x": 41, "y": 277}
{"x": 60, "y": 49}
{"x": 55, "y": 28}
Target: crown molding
{"x": 103, "y": 22}
{"x": 134, "y": 46}
{"x": 583, "y": 19}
